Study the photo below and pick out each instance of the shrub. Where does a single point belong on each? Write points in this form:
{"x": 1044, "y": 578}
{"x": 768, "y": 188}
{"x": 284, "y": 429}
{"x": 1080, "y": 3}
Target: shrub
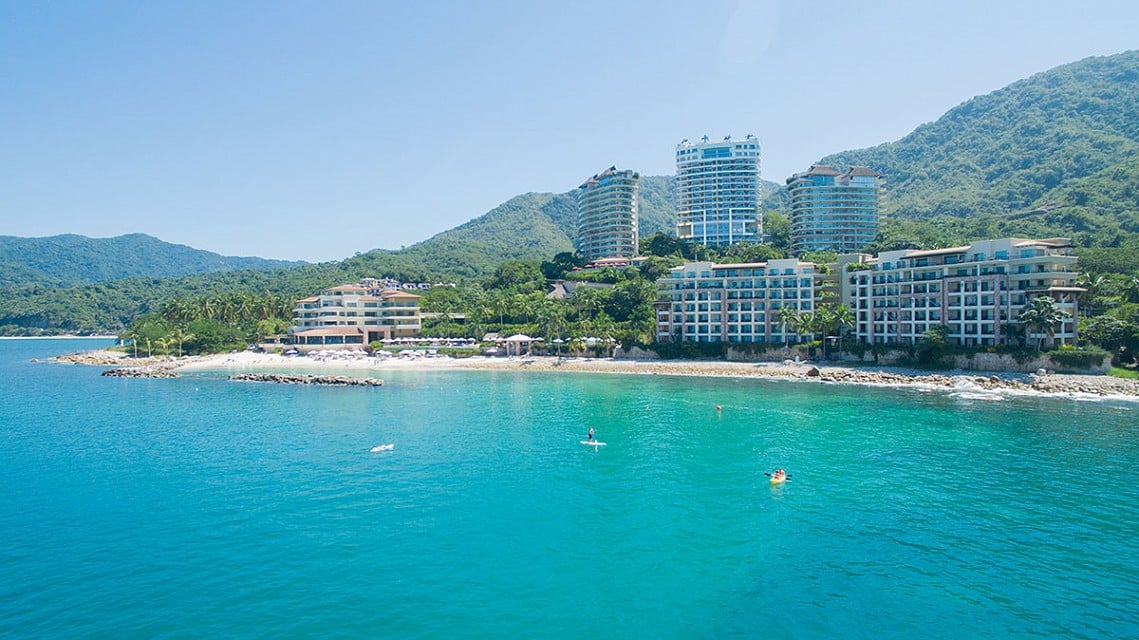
{"x": 1071, "y": 358}
{"x": 690, "y": 350}
{"x": 752, "y": 348}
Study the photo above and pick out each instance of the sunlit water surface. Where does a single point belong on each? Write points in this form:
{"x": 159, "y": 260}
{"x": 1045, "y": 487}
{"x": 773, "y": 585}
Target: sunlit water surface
{"x": 198, "y": 507}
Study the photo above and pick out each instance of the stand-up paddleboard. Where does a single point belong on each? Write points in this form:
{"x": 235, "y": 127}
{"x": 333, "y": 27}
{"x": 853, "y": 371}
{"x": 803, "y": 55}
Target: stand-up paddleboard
{"x": 383, "y": 447}
{"x": 596, "y": 443}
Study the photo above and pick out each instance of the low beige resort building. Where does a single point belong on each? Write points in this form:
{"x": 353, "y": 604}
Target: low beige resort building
{"x": 351, "y": 316}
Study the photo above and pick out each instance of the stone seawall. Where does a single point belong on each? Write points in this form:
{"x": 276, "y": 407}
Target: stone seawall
{"x": 990, "y": 362}
{"x": 280, "y": 378}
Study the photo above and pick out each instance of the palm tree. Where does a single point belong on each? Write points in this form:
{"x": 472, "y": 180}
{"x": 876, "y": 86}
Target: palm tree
{"x": 834, "y": 317}
{"x": 522, "y": 307}
{"x": 1044, "y": 315}
{"x": 642, "y": 325}
{"x": 177, "y": 310}
{"x": 500, "y": 304}
{"x": 1094, "y": 285}
{"x": 1131, "y": 290}
{"x": 586, "y": 301}
{"x": 792, "y": 320}
{"x": 551, "y": 320}
{"x": 209, "y": 307}
{"x": 133, "y": 337}
{"x": 180, "y": 335}
{"x": 484, "y": 312}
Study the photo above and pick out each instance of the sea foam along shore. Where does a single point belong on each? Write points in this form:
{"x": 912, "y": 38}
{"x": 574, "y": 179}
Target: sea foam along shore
{"x": 1071, "y": 385}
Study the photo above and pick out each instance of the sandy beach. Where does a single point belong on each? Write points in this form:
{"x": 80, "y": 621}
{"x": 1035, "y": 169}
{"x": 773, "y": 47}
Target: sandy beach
{"x": 957, "y": 381}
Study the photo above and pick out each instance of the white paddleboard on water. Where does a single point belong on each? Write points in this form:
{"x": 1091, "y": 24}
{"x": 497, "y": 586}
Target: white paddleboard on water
{"x": 593, "y": 442}
{"x": 383, "y": 447}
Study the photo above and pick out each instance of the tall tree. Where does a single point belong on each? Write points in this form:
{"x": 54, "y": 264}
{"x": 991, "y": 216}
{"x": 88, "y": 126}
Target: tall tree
{"x": 1045, "y": 316}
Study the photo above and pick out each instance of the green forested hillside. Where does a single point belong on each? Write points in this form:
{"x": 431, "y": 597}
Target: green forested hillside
{"x": 657, "y": 211}
{"x": 532, "y": 226}
{"x": 529, "y": 226}
{"x": 1054, "y": 154}
{"x": 72, "y": 259}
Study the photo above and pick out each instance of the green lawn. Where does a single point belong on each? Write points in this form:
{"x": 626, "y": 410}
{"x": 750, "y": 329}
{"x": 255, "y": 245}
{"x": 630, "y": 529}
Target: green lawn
{"x": 1123, "y": 373}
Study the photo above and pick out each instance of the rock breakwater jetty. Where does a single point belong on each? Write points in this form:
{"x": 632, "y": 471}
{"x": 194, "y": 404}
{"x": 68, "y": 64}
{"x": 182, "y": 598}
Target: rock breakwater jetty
{"x": 141, "y": 372}
{"x": 280, "y": 378}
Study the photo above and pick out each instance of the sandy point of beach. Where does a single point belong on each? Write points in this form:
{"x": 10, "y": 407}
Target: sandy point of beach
{"x": 245, "y": 360}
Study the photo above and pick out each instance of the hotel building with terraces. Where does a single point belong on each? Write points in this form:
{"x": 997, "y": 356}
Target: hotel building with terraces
{"x": 718, "y": 191}
{"x": 351, "y": 316}
{"x": 706, "y": 302}
{"x": 607, "y": 215}
{"x": 978, "y": 291}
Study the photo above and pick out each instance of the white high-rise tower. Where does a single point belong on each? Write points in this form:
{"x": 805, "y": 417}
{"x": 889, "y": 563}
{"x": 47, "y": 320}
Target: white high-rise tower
{"x": 718, "y": 191}
{"x": 607, "y": 215}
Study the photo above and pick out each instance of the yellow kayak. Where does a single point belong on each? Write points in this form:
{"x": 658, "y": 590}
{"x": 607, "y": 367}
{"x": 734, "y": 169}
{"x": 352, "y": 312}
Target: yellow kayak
{"x": 778, "y": 479}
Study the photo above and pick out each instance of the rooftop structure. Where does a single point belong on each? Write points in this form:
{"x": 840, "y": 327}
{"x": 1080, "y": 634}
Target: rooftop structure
{"x": 718, "y": 191}
{"x": 833, "y": 211}
{"x": 607, "y": 215}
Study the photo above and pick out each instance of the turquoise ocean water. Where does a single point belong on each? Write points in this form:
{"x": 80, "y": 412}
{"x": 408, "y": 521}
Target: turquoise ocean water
{"x": 198, "y": 507}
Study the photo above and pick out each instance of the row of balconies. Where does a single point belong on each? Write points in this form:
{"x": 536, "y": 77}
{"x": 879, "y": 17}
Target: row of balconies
{"x": 832, "y": 213}
{"x": 604, "y": 221}
{"x": 834, "y": 228}
{"x": 801, "y": 292}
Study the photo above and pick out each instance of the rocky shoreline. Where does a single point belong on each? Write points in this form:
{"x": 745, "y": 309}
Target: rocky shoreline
{"x": 259, "y": 363}
{"x": 1044, "y": 383}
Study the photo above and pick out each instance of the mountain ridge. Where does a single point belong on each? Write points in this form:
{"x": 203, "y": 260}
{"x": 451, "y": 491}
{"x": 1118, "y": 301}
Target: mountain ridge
{"x": 70, "y": 259}
{"x": 1027, "y": 158}
{"x": 1055, "y": 154}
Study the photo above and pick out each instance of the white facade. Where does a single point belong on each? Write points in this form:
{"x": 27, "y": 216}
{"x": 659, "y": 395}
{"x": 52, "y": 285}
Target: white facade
{"x": 355, "y": 315}
{"x": 607, "y": 215}
{"x": 832, "y": 211}
{"x": 706, "y": 302}
{"x": 718, "y": 191}
{"x": 977, "y": 291}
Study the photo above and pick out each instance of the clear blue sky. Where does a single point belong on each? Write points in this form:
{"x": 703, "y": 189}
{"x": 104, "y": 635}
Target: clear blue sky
{"x": 314, "y": 130}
